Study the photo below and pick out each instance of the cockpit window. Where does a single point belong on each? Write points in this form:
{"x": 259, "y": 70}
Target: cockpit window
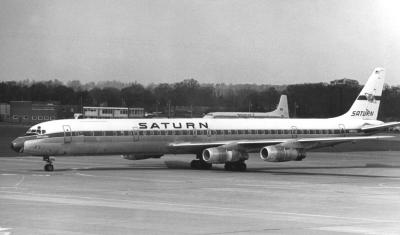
{"x": 28, "y": 134}
{"x": 37, "y": 131}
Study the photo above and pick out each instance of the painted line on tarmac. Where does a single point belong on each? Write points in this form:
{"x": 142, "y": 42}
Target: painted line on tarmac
{"x": 167, "y": 206}
{"x": 85, "y": 175}
{"x": 4, "y": 231}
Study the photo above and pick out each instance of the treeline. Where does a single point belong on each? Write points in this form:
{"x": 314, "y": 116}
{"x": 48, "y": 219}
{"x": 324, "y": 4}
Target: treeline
{"x": 305, "y": 100}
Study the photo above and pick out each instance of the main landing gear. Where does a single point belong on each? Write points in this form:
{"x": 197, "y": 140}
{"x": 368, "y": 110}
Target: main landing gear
{"x": 235, "y": 166}
{"x": 200, "y": 164}
{"x": 49, "y": 166}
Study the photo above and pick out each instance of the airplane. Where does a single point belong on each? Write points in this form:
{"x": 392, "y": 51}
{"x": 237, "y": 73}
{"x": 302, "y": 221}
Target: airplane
{"x": 214, "y": 141}
{"x": 281, "y": 111}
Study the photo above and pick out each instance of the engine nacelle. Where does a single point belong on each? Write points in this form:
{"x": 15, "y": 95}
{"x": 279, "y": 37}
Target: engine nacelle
{"x": 281, "y": 154}
{"x": 223, "y": 155}
{"x": 140, "y": 156}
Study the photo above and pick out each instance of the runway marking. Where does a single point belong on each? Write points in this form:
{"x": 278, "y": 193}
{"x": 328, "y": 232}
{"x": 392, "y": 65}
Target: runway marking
{"x": 84, "y": 174}
{"x": 15, "y": 185}
{"x": 20, "y": 181}
{"x": 131, "y": 178}
{"x": 40, "y": 175}
{"x": 152, "y": 205}
{"x": 3, "y": 231}
{"x": 358, "y": 229}
{"x": 9, "y": 174}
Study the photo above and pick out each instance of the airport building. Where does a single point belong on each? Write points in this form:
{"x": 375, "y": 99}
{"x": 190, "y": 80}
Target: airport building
{"x": 4, "y": 111}
{"x": 345, "y": 81}
{"x": 112, "y": 112}
{"x": 36, "y": 112}
{"x": 31, "y": 112}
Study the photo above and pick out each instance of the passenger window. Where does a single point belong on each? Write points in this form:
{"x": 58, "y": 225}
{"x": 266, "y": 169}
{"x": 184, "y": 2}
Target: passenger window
{"x": 234, "y": 132}
{"x": 287, "y": 132}
{"x": 170, "y": 133}
{"x": 88, "y": 133}
{"x": 98, "y": 133}
{"x": 272, "y": 132}
{"x": 199, "y": 132}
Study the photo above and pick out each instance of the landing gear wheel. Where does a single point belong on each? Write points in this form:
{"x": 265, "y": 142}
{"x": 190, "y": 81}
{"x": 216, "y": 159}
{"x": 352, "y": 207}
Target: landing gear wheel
{"x": 235, "y": 166}
{"x": 200, "y": 165}
{"x": 241, "y": 166}
{"x": 49, "y": 166}
{"x": 228, "y": 166}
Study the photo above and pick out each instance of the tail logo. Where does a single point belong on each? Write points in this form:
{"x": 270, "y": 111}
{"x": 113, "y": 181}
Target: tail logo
{"x": 370, "y": 98}
{"x": 362, "y": 113}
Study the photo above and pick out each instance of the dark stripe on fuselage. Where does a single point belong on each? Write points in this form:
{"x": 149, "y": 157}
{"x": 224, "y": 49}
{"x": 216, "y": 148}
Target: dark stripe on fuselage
{"x": 202, "y": 132}
{"x": 363, "y": 97}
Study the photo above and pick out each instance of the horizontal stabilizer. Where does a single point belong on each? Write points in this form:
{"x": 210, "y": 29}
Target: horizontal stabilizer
{"x": 379, "y": 127}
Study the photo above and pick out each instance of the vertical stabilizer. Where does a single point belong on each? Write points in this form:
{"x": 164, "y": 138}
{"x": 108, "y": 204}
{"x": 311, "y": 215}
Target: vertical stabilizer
{"x": 367, "y": 103}
{"x": 282, "y": 108}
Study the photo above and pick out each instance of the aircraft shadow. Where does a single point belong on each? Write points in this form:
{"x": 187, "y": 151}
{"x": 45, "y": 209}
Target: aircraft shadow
{"x": 297, "y": 170}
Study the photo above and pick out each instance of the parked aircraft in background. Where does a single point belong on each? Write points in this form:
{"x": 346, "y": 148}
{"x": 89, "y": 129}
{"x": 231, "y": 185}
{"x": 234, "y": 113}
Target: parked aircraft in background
{"x": 282, "y": 111}
{"x": 214, "y": 141}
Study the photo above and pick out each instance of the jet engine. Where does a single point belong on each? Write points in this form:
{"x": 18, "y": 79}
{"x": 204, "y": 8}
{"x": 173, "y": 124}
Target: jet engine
{"x": 281, "y": 154}
{"x": 223, "y": 155}
{"x": 140, "y": 156}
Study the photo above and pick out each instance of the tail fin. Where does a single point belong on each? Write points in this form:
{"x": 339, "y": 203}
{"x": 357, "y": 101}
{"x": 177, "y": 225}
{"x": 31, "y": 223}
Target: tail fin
{"x": 282, "y": 108}
{"x": 366, "y": 106}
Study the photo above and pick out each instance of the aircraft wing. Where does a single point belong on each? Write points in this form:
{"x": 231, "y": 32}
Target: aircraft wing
{"x": 255, "y": 145}
{"x": 382, "y": 126}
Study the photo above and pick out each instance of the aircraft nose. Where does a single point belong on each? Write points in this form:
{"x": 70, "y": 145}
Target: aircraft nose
{"x": 17, "y": 145}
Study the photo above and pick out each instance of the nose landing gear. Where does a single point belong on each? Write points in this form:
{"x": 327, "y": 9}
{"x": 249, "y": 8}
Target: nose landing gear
{"x": 49, "y": 166}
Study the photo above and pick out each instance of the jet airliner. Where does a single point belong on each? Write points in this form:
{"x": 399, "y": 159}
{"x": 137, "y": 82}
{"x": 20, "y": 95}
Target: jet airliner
{"x": 213, "y": 141}
{"x": 282, "y": 111}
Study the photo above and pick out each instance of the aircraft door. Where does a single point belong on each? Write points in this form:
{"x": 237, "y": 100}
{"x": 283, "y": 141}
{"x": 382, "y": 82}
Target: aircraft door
{"x": 342, "y": 130}
{"x": 294, "y": 132}
{"x": 67, "y": 134}
{"x": 135, "y": 133}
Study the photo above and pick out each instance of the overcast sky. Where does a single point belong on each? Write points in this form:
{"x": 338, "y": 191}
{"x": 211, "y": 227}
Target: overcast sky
{"x": 248, "y": 41}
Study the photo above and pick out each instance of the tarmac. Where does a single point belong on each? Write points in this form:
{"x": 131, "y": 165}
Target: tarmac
{"x": 326, "y": 193}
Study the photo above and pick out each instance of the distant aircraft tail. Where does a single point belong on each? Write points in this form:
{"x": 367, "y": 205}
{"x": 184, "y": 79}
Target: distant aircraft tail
{"x": 282, "y": 108}
{"x": 366, "y": 106}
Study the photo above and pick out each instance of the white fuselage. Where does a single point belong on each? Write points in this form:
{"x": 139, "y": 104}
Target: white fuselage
{"x": 154, "y": 136}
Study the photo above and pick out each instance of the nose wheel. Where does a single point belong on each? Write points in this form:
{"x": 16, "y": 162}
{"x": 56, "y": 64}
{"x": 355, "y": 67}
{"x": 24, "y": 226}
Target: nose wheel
{"x": 49, "y": 166}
